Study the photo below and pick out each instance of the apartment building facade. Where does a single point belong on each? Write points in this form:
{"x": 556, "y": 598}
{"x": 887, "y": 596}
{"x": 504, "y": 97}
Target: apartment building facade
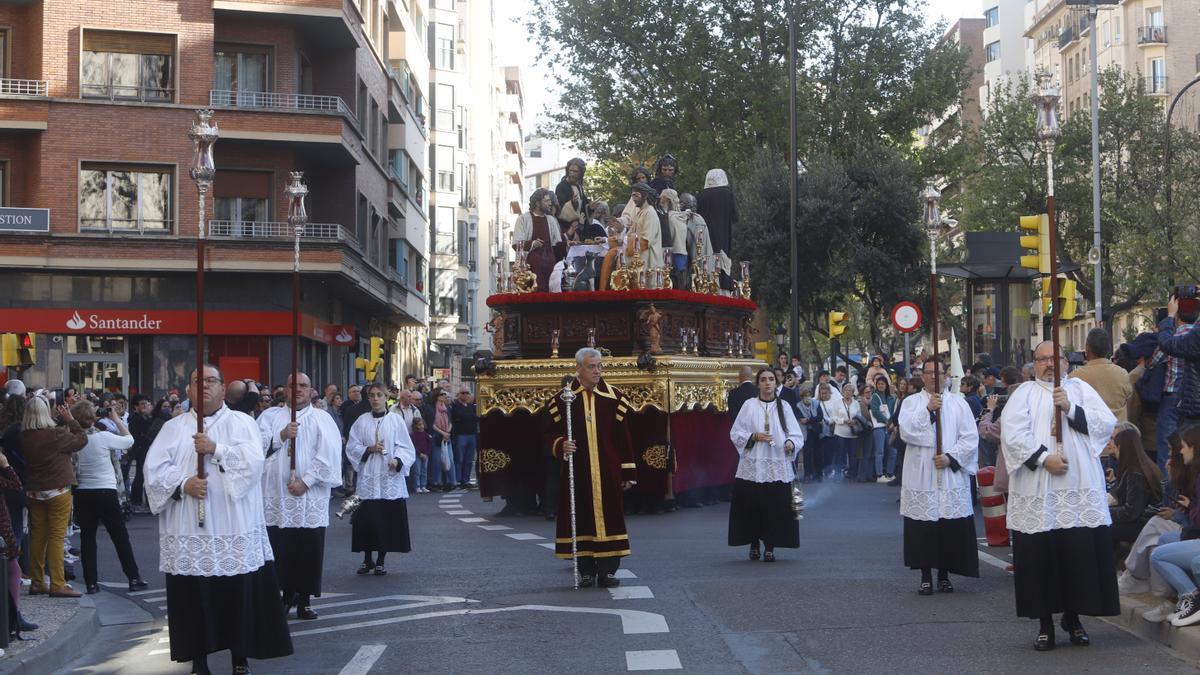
{"x": 475, "y": 173}
{"x": 1003, "y": 46}
{"x": 1156, "y": 39}
{"x": 96, "y": 100}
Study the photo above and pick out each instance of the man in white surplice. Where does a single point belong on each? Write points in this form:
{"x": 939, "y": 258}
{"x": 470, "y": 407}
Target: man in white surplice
{"x": 222, "y": 591}
{"x": 935, "y": 495}
{"x": 1057, "y": 501}
{"x": 297, "y": 503}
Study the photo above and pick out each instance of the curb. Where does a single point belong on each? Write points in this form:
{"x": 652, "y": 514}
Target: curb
{"x": 1185, "y": 642}
{"x": 58, "y": 650}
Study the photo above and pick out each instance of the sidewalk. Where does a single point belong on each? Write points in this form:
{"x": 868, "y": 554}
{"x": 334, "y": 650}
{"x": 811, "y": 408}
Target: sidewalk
{"x": 64, "y": 628}
{"x": 1184, "y": 641}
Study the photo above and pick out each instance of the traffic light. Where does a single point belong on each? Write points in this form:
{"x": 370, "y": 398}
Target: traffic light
{"x": 375, "y": 361}
{"x": 26, "y": 349}
{"x": 762, "y": 351}
{"x": 837, "y": 323}
{"x": 1047, "y": 300}
{"x": 1039, "y": 243}
{"x": 1066, "y": 296}
{"x": 8, "y": 342}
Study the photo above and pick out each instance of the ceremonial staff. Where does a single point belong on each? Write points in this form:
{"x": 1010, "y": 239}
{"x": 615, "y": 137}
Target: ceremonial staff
{"x": 933, "y": 225}
{"x": 568, "y": 397}
{"x": 1046, "y": 98}
{"x": 204, "y": 135}
{"x": 297, "y": 217}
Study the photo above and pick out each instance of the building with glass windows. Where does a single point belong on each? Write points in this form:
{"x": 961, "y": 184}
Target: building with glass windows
{"x": 96, "y": 100}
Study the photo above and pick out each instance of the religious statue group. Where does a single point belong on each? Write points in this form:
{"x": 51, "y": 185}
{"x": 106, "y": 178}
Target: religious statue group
{"x": 569, "y": 242}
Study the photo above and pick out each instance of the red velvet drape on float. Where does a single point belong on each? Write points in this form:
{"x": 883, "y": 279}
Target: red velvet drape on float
{"x": 512, "y": 457}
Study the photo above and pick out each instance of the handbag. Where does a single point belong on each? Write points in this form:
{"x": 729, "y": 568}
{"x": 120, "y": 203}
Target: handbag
{"x": 445, "y": 455}
{"x": 1150, "y": 385}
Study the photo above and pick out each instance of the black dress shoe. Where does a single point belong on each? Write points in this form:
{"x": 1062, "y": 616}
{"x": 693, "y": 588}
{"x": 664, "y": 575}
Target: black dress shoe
{"x": 137, "y": 584}
{"x": 26, "y": 626}
{"x": 1044, "y": 642}
{"x": 944, "y": 586}
{"x": 305, "y": 613}
{"x": 364, "y": 569}
{"x": 93, "y": 589}
{"x": 926, "y": 588}
{"x": 608, "y": 581}
{"x": 586, "y": 581}
{"x": 1078, "y": 635}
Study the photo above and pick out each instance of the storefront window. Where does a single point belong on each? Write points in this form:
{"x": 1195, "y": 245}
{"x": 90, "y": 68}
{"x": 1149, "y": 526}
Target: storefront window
{"x": 95, "y": 344}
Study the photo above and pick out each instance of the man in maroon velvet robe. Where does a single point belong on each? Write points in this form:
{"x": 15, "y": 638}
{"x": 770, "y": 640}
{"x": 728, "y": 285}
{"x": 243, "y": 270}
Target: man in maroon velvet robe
{"x": 604, "y": 467}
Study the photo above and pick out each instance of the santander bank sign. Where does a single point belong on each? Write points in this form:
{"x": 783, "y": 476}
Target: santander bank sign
{"x": 98, "y": 322}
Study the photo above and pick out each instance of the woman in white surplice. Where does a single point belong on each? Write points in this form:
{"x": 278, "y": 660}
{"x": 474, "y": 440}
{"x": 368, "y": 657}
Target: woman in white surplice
{"x": 767, "y": 437}
{"x": 935, "y": 492}
{"x": 381, "y": 450}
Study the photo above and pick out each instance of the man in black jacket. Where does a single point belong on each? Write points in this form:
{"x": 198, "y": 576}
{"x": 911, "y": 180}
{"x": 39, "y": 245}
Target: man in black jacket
{"x": 742, "y": 393}
{"x": 1179, "y": 340}
{"x": 144, "y": 425}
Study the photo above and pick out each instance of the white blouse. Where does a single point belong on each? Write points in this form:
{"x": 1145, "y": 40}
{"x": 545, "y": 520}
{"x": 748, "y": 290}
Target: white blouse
{"x": 318, "y": 464}
{"x": 763, "y": 462}
{"x": 375, "y": 479}
{"x": 922, "y": 496}
{"x": 233, "y": 539}
{"x": 94, "y": 468}
{"x": 1037, "y": 500}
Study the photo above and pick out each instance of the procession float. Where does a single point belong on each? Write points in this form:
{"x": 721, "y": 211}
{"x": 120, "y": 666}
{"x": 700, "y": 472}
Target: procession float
{"x": 674, "y": 353}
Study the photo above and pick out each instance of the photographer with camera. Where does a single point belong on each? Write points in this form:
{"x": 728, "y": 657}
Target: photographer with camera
{"x": 1179, "y": 345}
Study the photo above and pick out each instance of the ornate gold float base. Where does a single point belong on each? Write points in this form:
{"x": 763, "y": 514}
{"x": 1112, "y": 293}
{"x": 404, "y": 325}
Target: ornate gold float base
{"x": 677, "y": 383}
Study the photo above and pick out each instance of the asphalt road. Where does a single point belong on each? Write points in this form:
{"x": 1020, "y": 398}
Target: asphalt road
{"x": 481, "y": 593}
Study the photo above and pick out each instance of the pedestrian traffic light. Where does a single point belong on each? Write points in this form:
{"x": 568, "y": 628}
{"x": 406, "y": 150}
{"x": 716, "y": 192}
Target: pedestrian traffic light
{"x": 837, "y": 323}
{"x": 1039, "y": 243}
{"x": 26, "y": 349}
{"x": 1066, "y": 296}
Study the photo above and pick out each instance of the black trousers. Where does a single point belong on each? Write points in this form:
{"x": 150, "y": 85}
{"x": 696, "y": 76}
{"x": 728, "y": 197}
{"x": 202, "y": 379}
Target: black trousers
{"x": 136, "y": 493}
{"x": 93, "y": 508}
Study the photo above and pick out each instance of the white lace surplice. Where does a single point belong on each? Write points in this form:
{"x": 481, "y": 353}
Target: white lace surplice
{"x": 921, "y": 497}
{"x": 318, "y": 464}
{"x": 375, "y": 479}
{"x": 762, "y": 462}
{"x": 1037, "y": 500}
{"x": 234, "y": 537}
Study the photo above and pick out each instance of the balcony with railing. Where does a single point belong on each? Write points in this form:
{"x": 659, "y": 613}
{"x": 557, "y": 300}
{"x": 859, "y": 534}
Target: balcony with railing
{"x": 270, "y": 100}
{"x": 265, "y": 230}
{"x": 1156, "y": 85}
{"x": 1152, "y": 35}
{"x": 13, "y": 87}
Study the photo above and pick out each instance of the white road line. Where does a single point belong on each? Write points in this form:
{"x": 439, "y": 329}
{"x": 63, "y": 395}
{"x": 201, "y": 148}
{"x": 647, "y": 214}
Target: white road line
{"x": 653, "y": 659}
{"x": 156, "y": 652}
{"x": 449, "y": 506}
{"x": 624, "y": 574}
{"x": 633, "y": 622}
{"x": 365, "y": 612}
{"x": 473, "y": 520}
{"x": 993, "y": 560}
{"x": 550, "y": 546}
{"x": 149, "y": 592}
{"x": 163, "y": 607}
{"x": 631, "y": 592}
{"x": 445, "y": 500}
{"x": 429, "y": 599}
{"x": 163, "y": 641}
{"x": 494, "y": 528}
{"x": 459, "y": 513}
{"x": 160, "y": 598}
{"x": 524, "y": 536}
{"x": 366, "y": 657}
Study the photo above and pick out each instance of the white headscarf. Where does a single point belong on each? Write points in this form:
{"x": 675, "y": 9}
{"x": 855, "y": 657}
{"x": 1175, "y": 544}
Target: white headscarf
{"x": 715, "y": 178}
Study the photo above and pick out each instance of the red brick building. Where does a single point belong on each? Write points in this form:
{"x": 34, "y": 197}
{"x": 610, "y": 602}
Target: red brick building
{"x": 96, "y": 101}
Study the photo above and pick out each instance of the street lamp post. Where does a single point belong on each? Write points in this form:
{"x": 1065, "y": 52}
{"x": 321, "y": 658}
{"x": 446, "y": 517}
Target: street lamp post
{"x": 1046, "y": 99}
{"x": 780, "y": 337}
{"x": 204, "y": 136}
{"x": 296, "y": 191}
{"x": 932, "y": 219}
{"x": 793, "y": 171}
